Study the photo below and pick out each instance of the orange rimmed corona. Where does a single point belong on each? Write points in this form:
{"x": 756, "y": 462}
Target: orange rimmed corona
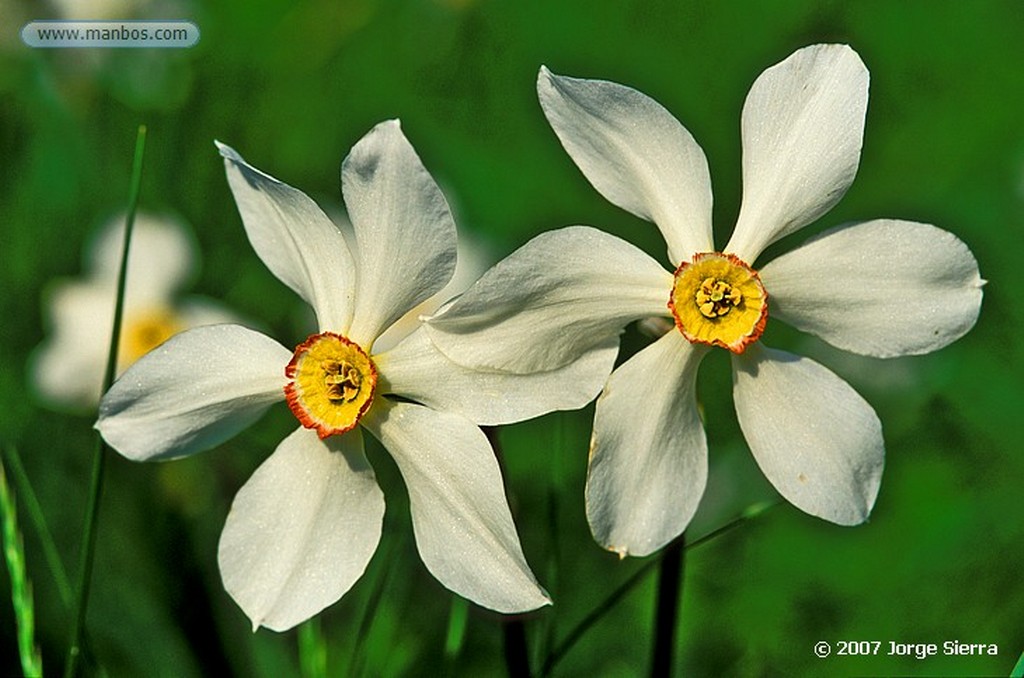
{"x": 719, "y": 300}
{"x": 333, "y": 382}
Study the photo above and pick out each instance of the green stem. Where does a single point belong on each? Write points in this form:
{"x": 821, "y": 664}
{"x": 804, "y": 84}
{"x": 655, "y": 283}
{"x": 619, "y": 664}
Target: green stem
{"x": 618, "y": 594}
{"x": 671, "y": 570}
{"x": 517, "y": 654}
{"x": 88, "y": 544}
{"x": 312, "y": 650}
{"x": 517, "y": 659}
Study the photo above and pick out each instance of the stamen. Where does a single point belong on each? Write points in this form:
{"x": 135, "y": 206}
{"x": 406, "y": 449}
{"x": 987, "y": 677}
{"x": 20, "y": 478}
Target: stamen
{"x": 333, "y": 383}
{"x": 718, "y": 300}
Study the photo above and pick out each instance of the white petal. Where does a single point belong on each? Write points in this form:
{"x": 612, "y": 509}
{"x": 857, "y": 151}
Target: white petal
{"x": 648, "y": 456}
{"x": 460, "y": 516}
{"x": 473, "y": 260}
{"x": 302, "y": 529}
{"x": 803, "y": 124}
{"x": 550, "y": 301}
{"x": 635, "y": 154}
{"x": 161, "y": 257}
{"x": 405, "y": 234}
{"x": 817, "y": 441}
{"x": 193, "y": 392}
{"x": 882, "y": 288}
{"x": 416, "y": 370}
{"x": 296, "y": 240}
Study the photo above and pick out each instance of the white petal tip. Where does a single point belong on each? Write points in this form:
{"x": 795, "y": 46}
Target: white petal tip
{"x": 227, "y": 152}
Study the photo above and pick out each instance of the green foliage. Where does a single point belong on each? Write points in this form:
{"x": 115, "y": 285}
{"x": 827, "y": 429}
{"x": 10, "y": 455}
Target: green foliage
{"x": 292, "y": 87}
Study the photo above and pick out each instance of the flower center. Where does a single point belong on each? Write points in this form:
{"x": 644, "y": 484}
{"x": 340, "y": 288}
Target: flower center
{"x": 333, "y": 382}
{"x": 718, "y": 300}
{"x": 143, "y": 331}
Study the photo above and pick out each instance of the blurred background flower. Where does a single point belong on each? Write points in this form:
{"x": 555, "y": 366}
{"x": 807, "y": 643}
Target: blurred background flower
{"x": 67, "y": 368}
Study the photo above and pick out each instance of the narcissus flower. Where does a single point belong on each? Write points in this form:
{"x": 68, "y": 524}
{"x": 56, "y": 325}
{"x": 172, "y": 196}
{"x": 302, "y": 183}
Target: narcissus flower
{"x": 303, "y": 528}
{"x": 68, "y": 368}
{"x": 879, "y": 288}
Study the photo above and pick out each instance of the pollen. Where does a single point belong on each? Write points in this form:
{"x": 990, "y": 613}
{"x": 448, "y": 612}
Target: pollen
{"x": 332, "y": 383}
{"x": 719, "y": 300}
{"x": 143, "y": 331}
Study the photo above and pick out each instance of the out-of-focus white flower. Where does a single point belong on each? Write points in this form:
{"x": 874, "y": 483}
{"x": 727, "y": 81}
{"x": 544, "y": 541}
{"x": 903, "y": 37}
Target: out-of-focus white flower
{"x": 303, "y": 528}
{"x": 68, "y": 367}
{"x": 882, "y": 288}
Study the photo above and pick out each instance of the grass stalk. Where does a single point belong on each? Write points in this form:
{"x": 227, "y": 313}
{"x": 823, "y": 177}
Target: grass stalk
{"x": 21, "y": 587}
{"x": 88, "y": 544}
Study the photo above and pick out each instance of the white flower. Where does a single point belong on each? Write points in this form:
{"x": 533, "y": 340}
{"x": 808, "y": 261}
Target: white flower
{"x": 68, "y": 367}
{"x": 303, "y": 528}
{"x": 881, "y": 288}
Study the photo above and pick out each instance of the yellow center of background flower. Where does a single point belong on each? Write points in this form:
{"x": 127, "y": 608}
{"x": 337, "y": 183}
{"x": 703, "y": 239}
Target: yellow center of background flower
{"x": 333, "y": 382}
{"x": 141, "y": 332}
{"x": 718, "y": 300}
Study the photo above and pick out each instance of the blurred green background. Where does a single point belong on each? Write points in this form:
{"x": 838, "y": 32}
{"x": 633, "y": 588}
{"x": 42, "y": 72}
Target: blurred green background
{"x": 293, "y": 86}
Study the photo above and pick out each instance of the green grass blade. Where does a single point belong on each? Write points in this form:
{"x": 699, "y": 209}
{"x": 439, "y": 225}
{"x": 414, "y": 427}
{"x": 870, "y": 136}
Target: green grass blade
{"x": 1018, "y": 670}
{"x": 88, "y": 546}
{"x": 35, "y": 514}
{"x": 21, "y": 588}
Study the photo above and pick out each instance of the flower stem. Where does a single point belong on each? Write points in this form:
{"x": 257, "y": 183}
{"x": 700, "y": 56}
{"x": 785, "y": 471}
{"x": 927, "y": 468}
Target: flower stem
{"x": 517, "y": 655}
{"x": 671, "y": 571}
{"x": 88, "y": 544}
{"x": 517, "y": 659}
{"x": 619, "y": 593}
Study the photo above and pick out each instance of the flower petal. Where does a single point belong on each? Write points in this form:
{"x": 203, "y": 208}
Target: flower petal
{"x": 416, "y": 370}
{"x": 302, "y": 529}
{"x": 635, "y": 154}
{"x": 161, "y": 258}
{"x": 817, "y": 441}
{"x": 882, "y": 288}
{"x": 296, "y": 240}
{"x": 648, "y": 456}
{"x": 550, "y": 301}
{"x": 803, "y": 125}
{"x": 463, "y": 526}
{"x": 193, "y": 392}
{"x": 473, "y": 261}
{"x": 404, "y": 232}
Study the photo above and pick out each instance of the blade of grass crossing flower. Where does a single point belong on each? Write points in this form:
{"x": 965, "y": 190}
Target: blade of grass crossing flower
{"x": 312, "y": 650}
{"x": 751, "y": 512}
{"x": 35, "y": 514}
{"x": 21, "y": 588}
{"x": 88, "y": 543}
